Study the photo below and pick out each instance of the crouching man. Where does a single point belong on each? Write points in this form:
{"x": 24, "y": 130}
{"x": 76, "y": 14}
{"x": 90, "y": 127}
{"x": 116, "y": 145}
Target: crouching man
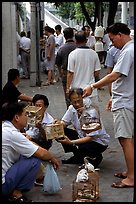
{"x": 21, "y": 158}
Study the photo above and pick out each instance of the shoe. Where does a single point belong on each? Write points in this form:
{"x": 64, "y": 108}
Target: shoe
{"x": 120, "y": 184}
{"x": 46, "y": 83}
{"x": 21, "y": 199}
{"x": 72, "y": 160}
{"x": 96, "y": 161}
{"x": 54, "y": 81}
{"x": 120, "y": 175}
{"x": 39, "y": 182}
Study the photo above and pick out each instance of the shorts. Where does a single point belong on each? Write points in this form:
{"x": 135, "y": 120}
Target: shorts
{"x": 123, "y": 123}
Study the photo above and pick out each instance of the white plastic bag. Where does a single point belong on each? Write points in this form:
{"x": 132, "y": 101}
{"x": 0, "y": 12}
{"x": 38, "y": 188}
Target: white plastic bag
{"x": 51, "y": 182}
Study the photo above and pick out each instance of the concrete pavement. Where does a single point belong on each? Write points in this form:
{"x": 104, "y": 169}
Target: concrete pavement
{"x": 113, "y": 157}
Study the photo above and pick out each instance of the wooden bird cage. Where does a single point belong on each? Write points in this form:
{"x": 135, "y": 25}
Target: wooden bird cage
{"x": 33, "y": 114}
{"x": 54, "y": 131}
{"x": 87, "y": 191}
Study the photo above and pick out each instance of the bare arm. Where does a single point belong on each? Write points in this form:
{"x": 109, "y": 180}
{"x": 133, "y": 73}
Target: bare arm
{"x": 43, "y": 154}
{"x": 109, "y": 78}
{"x": 23, "y": 97}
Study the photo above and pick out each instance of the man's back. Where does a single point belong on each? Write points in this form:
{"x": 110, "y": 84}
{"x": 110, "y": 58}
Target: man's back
{"x": 62, "y": 55}
{"x": 83, "y": 62}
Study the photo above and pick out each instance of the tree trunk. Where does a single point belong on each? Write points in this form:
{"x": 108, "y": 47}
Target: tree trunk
{"x": 88, "y": 19}
{"x": 113, "y": 5}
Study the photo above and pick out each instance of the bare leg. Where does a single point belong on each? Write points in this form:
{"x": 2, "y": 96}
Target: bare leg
{"x": 128, "y": 149}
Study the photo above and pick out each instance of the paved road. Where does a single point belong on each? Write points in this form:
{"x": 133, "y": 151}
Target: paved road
{"x": 113, "y": 157}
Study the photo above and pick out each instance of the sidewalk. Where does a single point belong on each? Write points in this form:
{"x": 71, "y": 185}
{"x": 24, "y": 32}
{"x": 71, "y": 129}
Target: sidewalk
{"x": 113, "y": 157}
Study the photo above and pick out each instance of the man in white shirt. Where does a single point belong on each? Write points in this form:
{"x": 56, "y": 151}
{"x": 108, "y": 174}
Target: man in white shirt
{"x": 21, "y": 158}
{"x": 78, "y": 141}
{"x": 122, "y": 101}
{"x": 59, "y": 39}
{"x": 83, "y": 65}
{"x": 25, "y": 46}
{"x": 90, "y": 39}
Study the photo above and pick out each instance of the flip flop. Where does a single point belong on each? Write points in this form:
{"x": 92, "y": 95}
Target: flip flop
{"x": 120, "y": 175}
{"x": 120, "y": 184}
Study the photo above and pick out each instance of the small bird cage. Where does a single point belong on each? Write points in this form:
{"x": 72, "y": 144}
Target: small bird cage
{"x": 87, "y": 191}
{"x": 54, "y": 131}
{"x": 90, "y": 119}
{"x": 33, "y": 114}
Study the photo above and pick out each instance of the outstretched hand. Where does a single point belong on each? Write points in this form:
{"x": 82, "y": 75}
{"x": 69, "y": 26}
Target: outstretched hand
{"x": 87, "y": 91}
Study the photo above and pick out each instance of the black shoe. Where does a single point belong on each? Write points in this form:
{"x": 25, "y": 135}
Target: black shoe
{"x": 22, "y": 199}
{"x": 72, "y": 160}
{"x": 96, "y": 161}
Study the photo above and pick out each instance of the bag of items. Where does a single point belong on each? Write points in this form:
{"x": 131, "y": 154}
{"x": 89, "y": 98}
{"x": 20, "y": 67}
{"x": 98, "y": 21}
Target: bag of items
{"x": 51, "y": 182}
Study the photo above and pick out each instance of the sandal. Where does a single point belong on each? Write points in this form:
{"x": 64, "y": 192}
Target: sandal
{"x": 19, "y": 200}
{"x": 120, "y": 184}
{"x": 120, "y": 175}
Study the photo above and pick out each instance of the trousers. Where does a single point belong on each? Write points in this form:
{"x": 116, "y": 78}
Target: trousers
{"x": 21, "y": 175}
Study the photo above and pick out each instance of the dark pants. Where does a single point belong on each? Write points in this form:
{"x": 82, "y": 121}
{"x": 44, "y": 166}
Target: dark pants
{"x": 91, "y": 149}
{"x": 21, "y": 175}
{"x": 42, "y": 142}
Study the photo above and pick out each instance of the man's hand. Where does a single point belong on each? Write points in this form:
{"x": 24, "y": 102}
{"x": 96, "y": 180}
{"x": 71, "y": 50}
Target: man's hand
{"x": 66, "y": 140}
{"x": 87, "y": 91}
{"x": 109, "y": 105}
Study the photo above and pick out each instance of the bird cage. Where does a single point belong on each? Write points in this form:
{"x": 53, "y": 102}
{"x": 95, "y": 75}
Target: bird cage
{"x": 33, "y": 114}
{"x": 54, "y": 131}
{"x": 90, "y": 119}
{"x": 87, "y": 191}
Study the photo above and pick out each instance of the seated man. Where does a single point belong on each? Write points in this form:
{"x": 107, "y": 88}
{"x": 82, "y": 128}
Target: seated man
{"x": 82, "y": 144}
{"x": 10, "y": 93}
{"x": 38, "y": 132}
{"x": 21, "y": 158}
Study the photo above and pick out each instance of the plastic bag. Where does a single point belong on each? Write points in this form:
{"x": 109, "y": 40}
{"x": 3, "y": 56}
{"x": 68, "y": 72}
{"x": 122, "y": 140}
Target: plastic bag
{"x": 51, "y": 182}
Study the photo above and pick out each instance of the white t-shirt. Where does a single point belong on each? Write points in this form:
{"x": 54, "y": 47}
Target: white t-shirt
{"x": 25, "y": 43}
{"x": 59, "y": 40}
{"x": 14, "y": 144}
{"x": 123, "y": 87}
{"x": 91, "y": 41}
{"x": 83, "y": 62}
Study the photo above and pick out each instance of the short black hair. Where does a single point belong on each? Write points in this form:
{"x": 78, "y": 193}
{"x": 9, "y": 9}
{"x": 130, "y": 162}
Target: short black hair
{"x": 48, "y": 29}
{"x": 23, "y": 33}
{"x": 78, "y": 91}
{"x": 40, "y": 97}
{"x": 9, "y": 110}
{"x": 86, "y": 26}
{"x": 58, "y": 27}
{"x": 68, "y": 33}
{"x": 118, "y": 27}
{"x": 13, "y": 74}
{"x": 80, "y": 37}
